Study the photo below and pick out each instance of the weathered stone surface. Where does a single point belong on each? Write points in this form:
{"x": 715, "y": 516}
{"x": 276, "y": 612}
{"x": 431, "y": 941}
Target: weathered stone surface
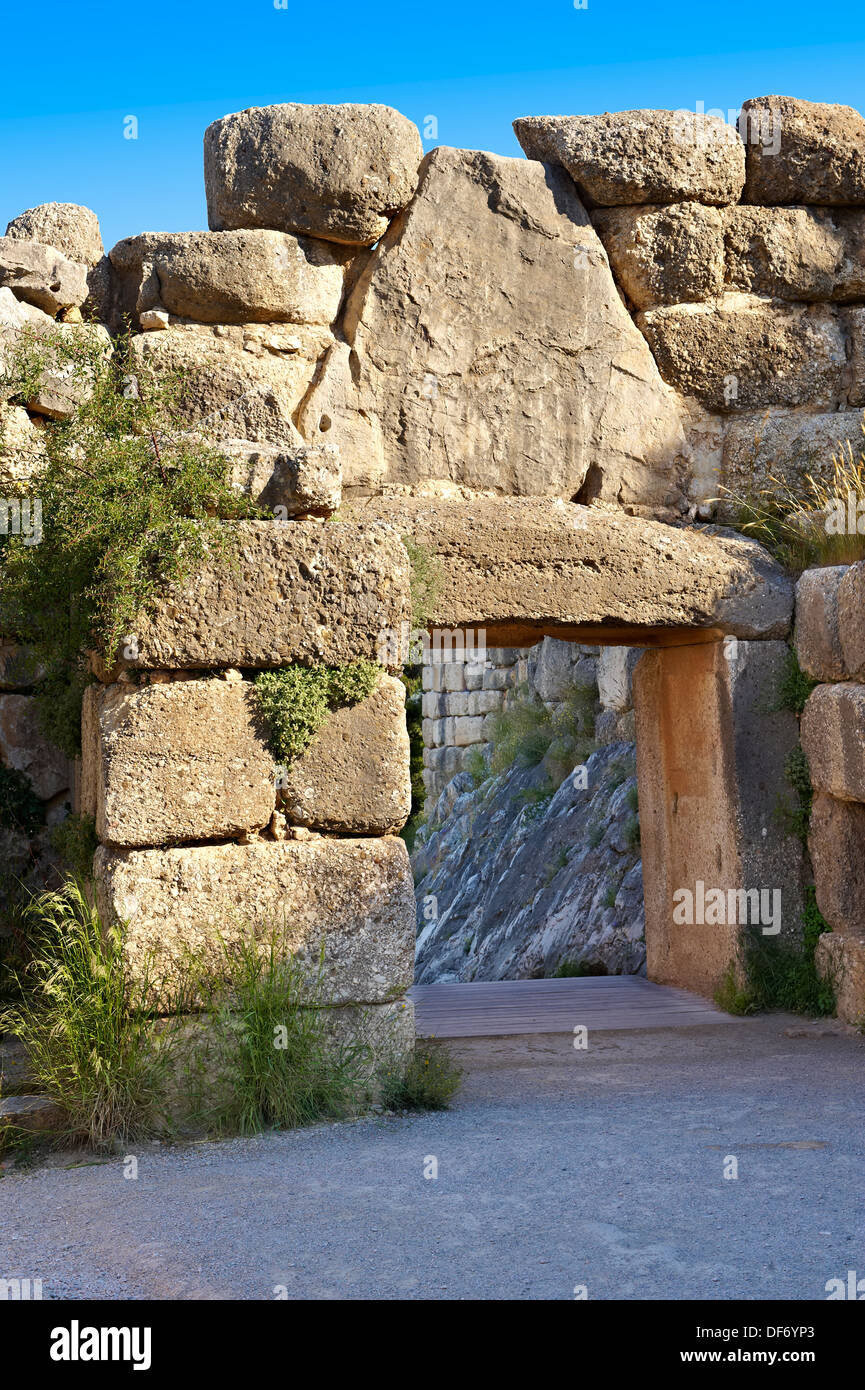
{"x": 641, "y": 156}
{"x": 833, "y": 737}
{"x": 232, "y": 277}
{"x": 851, "y": 620}
{"x": 41, "y": 275}
{"x": 854, "y": 320}
{"x": 24, "y": 747}
{"x": 818, "y": 641}
{"x": 795, "y": 253}
{"x": 292, "y": 479}
{"x": 531, "y": 381}
{"x": 354, "y": 777}
{"x": 836, "y": 841}
{"x": 15, "y": 1069}
{"x": 841, "y": 960}
{"x": 60, "y": 390}
{"x": 710, "y": 771}
{"x": 743, "y": 352}
{"x": 519, "y": 567}
{"x": 355, "y": 895}
{"x": 338, "y": 172}
{"x": 186, "y": 760}
{"x": 664, "y": 255}
{"x": 22, "y": 451}
{"x": 785, "y": 444}
{"x": 241, "y": 382}
{"x": 33, "y": 1114}
{"x": 307, "y": 591}
{"x": 71, "y": 228}
{"x": 17, "y": 313}
{"x": 807, "y": 152}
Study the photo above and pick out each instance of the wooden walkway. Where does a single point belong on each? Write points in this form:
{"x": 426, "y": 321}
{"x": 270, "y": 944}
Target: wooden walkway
{"x": 600, "y": 1002}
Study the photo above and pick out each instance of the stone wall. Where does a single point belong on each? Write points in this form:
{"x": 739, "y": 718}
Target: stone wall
{"x": 831, "y": 650}
{"x": 674, "y": 308}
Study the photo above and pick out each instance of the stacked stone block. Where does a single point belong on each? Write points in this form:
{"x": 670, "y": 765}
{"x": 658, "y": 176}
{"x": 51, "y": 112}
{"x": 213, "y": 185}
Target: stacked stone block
{"x": 831, "y": 649}
{"x": 202, "y": 833}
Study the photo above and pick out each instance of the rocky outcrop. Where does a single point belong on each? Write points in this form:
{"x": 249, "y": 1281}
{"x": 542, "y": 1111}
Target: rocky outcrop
{"x": 808, "y": 152}
{"x": 796, "y": 253}
{"x": 294, "y": 479}
{"x": 338, "y": 172}
{"x": 533, "y": 381}
{"x": 513, "y": 881}
{"x": 833, "y": 738}
{"x": 818, "y": 639}
{"x": 760, "y": 446}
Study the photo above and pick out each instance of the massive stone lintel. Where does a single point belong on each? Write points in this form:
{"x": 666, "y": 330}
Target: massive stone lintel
{"x": 305, "y": 591}
{"x": 355, "y": 896}
{"x": 527, "y": 568}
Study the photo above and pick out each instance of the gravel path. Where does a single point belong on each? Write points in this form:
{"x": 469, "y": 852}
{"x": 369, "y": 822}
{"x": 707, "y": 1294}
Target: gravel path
{"x": 555, "y": 1169}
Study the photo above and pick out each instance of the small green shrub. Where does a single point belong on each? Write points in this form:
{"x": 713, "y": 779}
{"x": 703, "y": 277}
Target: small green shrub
{"x": 412, "y": 679}
{"x": 429, "y": 1080}
{"x": 90, "y": 1028}
{"x": 527, "y": 733}
{"x": 20, "y": 807}
{"x": 295, "y": 701}
{"x": 796, "y": 819}
{"x": 268, "y": 1044}
{"x": 632, "y": 833}
{"x": 578, "y": 969}
{"x": 781, "y": 974}
{"x": 477, "y": 767}
{"x": 794, "y": 687}
{"x": 594, "y": 834}
{"x": 131, "y": 501}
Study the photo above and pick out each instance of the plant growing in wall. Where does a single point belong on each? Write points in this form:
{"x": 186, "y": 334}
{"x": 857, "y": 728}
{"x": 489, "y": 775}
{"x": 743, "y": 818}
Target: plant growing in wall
{"x": 130, "y": 501}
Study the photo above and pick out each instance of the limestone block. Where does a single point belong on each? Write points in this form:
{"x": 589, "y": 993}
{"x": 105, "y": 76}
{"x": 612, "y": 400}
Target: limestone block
{"x": 576, "y": 571}
{"x": 484, "y": 702}
{"x": 307, "y": 591}
{"x": 664, "y": 255}
{"x": 500, "y": 384}
{"x": 851, "y": 620}
{"x": 292, "y": 480}
{"x": 795, "y": 253}
{"x": 181, "y": 761}
{"x": 626, "y": 157}
{"x": 817, "y": 639}
{"x": 41, "y": 275}
{"x": 841, "y": 960}
{"x": 354, "y": 778}
{"x": 468, "y": 729}
{"x": 836, "y": 842}
{"x": 453, "y": 675}
{"x": 785, "y": 444}
{"x": 22, "y": 448}
{"x": 339, "y": 172}
{"x": 242, "y": 382}
{"x": 615, "y": 669}
{"x": 355, "y": 896}
{"x": 854, "y": 319}
{"x": 553, "y": 668}
{"x": 23, "y": 746}
{"x": 833, "y": 737}
{"x": 232, "y": 277}
{"x": 71, "y": 228}
{"x": 804, "y": 152}
{"x": 474, "y": 677}
{"x": 743, "y": 352}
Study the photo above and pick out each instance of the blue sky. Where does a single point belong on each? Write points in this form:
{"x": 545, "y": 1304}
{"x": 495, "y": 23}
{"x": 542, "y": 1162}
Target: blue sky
{"x": 78, "y": 71}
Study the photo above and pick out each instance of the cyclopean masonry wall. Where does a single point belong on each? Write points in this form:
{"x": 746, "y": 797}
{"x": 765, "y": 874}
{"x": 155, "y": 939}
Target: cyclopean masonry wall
{"x": 200, "y": 835}
{"x": 673, "y": 309}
